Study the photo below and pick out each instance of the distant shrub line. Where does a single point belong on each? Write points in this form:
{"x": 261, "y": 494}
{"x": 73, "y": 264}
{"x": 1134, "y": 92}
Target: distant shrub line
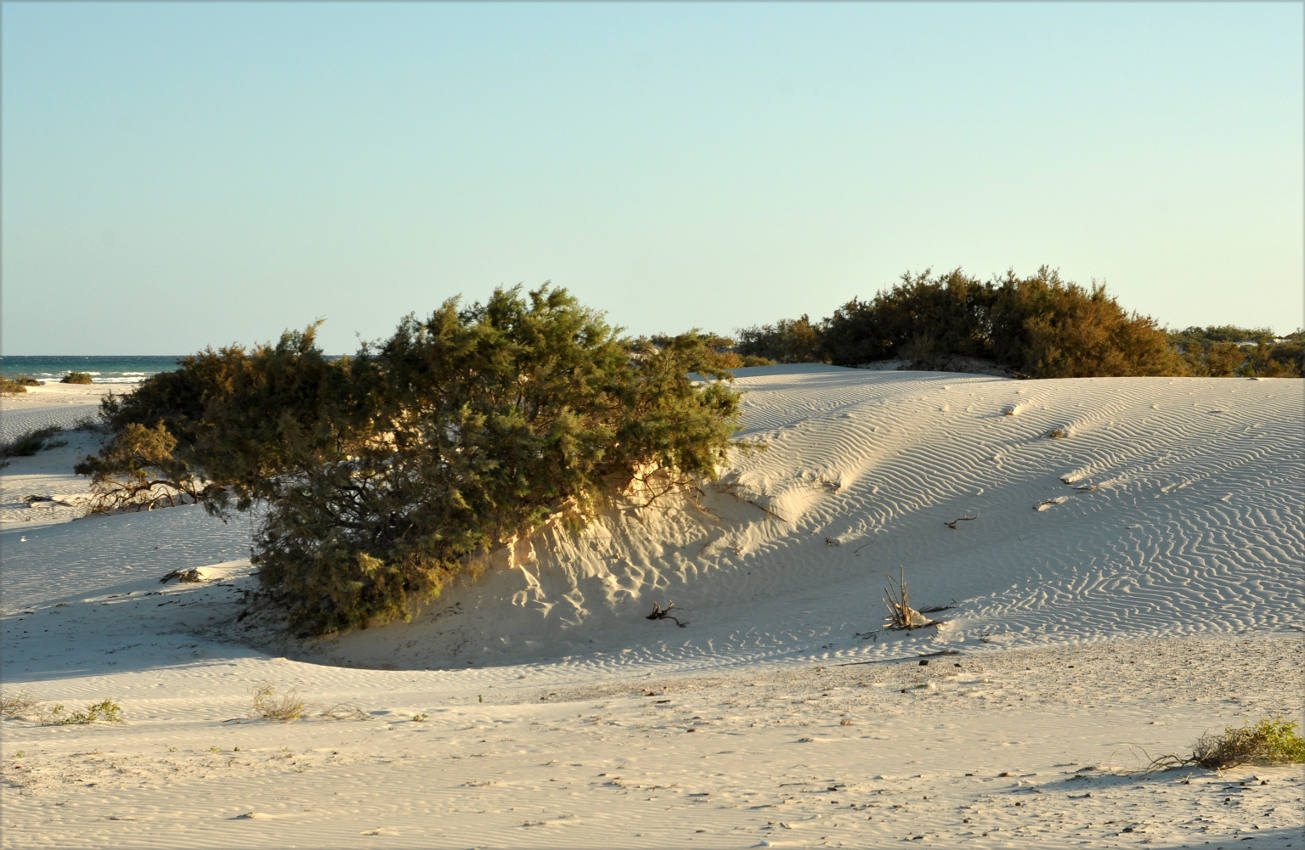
{"x": 1038, "y": 326}
{"x": 387, "y": 473}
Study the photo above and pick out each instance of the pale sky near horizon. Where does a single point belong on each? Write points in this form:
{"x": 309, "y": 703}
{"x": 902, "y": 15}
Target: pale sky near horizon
{"x": 178, "y": 175}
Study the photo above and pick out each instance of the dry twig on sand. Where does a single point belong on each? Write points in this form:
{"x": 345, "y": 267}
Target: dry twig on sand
{"x": 660, "y": 613}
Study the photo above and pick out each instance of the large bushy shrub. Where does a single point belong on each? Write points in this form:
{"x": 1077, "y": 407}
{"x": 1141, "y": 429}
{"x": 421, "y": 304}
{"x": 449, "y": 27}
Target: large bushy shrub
{"x": 386, "y": 474}
{"x": 487, "y": 422}
{"x": 1037, "y": 326}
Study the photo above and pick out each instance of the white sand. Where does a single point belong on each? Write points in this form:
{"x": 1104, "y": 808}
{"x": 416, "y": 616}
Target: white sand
{"x": 1119, "y": 592}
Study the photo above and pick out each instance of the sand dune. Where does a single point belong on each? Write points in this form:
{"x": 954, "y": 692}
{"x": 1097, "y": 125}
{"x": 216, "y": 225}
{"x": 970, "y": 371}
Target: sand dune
{"x": 1118, "y": 589}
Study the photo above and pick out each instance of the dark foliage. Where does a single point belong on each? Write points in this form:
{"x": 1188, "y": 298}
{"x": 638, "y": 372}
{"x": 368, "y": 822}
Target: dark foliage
{"x": 223, "y": 428}
{"x": 486, "y": 423}
{"x": 28, "y": 444}
{"x": 786, "y": 341}
{"x": 386, "y": 474}
{"x": 1037, "y": 326}
{"x": 1227, "y": 351}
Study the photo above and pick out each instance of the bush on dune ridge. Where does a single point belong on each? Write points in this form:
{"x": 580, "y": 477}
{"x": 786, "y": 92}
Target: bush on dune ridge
{"x": 386, "y": 474}
{"x": 1038, "y": 326}
{"x": 1228, "y": 351}
{"x": 486, "y": 423}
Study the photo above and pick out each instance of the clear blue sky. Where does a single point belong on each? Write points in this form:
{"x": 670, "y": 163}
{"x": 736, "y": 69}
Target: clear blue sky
{"x": 177, "y": 175}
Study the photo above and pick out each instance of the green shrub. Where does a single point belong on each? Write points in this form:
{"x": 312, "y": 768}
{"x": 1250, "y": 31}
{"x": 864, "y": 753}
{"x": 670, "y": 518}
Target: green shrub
{"x": 75, "y": 378}
{"x": 28, "y": 444}
{"x": 1227, "y": 351}
{"x": 220, "y": 429}
{"x": 786, "y": 341}
{"x": 16, "y": 705}
{"x": 1270, "y": 741}
{"x": 107, "y": 711}
{"x": 489, "y": 421}
{"x": 137, "y": 468}
{"x": 387, "y": 474}
{"x": 18, "y": 385}
{"x": 1038, "y": 326}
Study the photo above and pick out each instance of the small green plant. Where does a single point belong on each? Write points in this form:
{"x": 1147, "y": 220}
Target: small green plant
{"x": 107, "y": 711}
{"x": 31, "y": 442}
{"x": 420, "y": 718}
{"x": 75, "y": 378}
{"x": 214, "y": 749}
{"x": 1273, "y": 740}
{"x": 16, "y": 705}
{"x": 8, "y": 385}
{"x": 270, "y": 705}
{"x": 19, "y": 754}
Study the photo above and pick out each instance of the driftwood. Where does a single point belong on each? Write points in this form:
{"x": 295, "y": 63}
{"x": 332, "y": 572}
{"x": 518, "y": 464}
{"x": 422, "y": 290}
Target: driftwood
{"x": 660, "y": 613}
{"x": 900, "y": 613}
{"x": 34, "y": 499}
{"x": 965, "y": 518}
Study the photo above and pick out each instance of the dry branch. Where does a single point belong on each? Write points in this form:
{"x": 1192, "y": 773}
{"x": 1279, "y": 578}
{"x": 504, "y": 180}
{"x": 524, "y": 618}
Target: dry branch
{"x": 900, "y": 613}
{"x": 660, "y": 613}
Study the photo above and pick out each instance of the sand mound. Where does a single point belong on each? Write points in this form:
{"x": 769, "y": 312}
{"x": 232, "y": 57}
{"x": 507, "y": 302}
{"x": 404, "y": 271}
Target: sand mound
{"x": 1172, "y": 506}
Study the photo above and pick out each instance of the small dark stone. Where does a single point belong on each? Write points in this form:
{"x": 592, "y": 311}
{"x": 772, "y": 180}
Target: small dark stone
{"x": 924, "y": 662}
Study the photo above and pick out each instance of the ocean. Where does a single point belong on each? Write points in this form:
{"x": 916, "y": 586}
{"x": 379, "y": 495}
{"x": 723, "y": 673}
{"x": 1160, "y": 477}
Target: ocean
{"x": 102, "y": 369}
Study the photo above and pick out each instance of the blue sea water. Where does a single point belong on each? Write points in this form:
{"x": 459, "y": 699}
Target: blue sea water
{"x": 101, "y": 368}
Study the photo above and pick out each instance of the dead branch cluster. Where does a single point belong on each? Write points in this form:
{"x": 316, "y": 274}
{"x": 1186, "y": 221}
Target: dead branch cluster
{"x": 900, "y": 613}
{"x": 660, "y": 613}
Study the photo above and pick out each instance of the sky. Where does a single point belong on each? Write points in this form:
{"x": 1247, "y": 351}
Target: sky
{"x": 178, "y": 175}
